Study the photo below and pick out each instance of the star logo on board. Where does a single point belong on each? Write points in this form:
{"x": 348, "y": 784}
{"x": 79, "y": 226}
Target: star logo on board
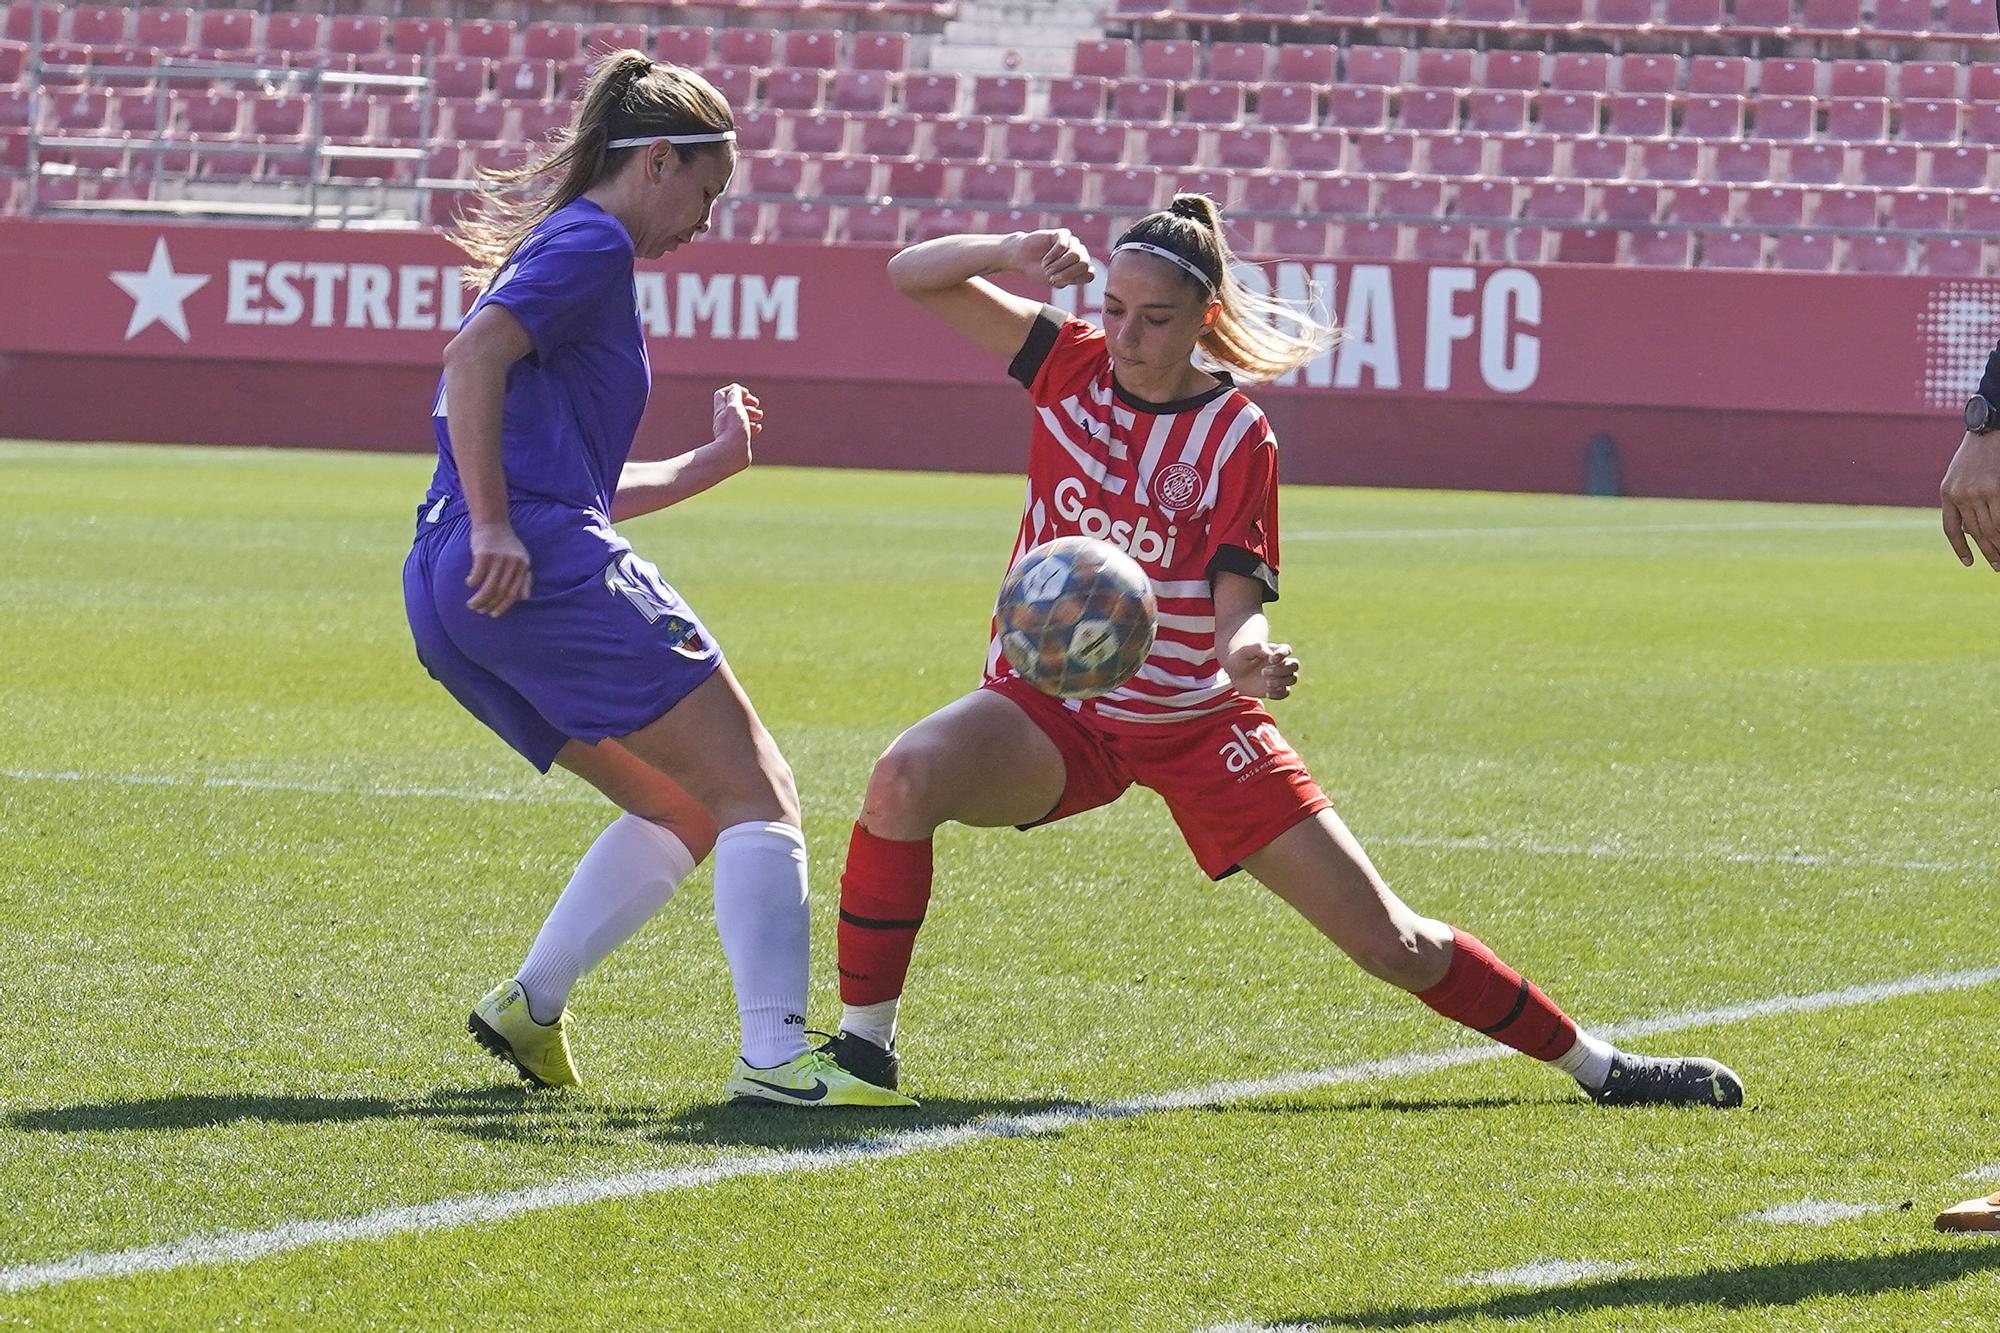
{"x": 159, "y": 294}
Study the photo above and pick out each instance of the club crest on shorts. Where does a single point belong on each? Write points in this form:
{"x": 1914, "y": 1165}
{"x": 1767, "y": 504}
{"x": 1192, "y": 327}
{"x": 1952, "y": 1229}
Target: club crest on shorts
{"x": 1176, "y": 487}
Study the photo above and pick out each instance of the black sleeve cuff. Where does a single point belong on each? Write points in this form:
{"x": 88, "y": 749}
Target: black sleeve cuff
{"x": 1041, "y": 341}
{"x": 1240, "y": 560}
{"x": 1989, "y": 383}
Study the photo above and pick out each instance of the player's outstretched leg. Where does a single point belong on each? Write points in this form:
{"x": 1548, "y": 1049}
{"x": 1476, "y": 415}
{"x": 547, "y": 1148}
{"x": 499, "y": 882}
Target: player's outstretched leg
{"x": 1972, "y": 1215}
{"x": 1319, "y": 868}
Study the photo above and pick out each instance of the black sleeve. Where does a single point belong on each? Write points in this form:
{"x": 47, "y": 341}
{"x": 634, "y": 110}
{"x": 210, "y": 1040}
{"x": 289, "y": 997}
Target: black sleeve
{"x": 1041, "y": 341}
{"x": 1241, "y": 560}
{"x": 1989, "y": 383}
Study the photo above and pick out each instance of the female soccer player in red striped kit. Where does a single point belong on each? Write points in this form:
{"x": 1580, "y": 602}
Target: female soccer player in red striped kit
{"x": 1136, "y": 442}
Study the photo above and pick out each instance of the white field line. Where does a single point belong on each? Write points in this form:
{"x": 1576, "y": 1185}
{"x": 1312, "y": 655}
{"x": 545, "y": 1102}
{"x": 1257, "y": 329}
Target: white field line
{"x": 557, "y": 795}
{"x": 1989, "y": 1172}
{"x": 1613, "y": 529}
{"x": 472, "y": 1209}
{"x": 1550, "y": 1273}
{"x": 1816, "y": 1213}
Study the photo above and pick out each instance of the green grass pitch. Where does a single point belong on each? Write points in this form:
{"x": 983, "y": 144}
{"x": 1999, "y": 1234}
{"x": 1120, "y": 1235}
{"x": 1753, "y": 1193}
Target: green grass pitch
{"x": 1666, "y": 757}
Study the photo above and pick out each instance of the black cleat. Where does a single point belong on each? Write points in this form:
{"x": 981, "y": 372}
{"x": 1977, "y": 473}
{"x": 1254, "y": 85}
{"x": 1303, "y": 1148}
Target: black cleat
{"x": 864, "y": 1059}
{"x": 1652, "y": 1080}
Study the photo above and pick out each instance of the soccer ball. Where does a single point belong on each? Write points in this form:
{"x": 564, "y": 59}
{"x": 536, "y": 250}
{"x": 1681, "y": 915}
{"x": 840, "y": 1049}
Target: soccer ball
{"x": 1077, "y": 617}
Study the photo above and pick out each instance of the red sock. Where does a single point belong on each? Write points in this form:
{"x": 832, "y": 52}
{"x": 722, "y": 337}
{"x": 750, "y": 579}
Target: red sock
{"x": 883, "y": 894}
{"x": 1488, "y": 996}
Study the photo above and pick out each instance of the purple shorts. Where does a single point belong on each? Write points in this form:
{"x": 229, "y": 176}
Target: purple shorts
{"x": 603, "y": 646}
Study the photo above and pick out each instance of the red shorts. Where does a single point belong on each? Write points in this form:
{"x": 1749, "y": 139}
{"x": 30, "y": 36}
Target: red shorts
{"x": 1232, "y": 783}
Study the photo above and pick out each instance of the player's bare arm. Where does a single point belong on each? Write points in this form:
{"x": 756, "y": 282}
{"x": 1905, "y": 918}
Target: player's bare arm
{"x": 1256, "y": 666}
{"x": 475, "y": 379}
{"x": 1970, "y": 498}
{"x": 947, "y": 277}
{"x": 644, "y": 488}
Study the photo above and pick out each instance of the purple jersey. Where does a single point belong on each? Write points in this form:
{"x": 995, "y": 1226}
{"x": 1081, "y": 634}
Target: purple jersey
{"x": 573, "y": 403}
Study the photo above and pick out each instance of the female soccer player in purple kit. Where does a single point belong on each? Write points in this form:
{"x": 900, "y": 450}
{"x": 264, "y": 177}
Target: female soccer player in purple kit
{"x": 571, "y": 647}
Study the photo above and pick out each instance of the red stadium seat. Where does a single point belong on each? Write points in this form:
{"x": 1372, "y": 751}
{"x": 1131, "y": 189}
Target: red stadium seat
{"x": 1631, "y": 203}
{"x": 1351, "y": 108}
{"x": 1919, "y": 210}
{"x": 281, "y": 116}
{"x": 292, "y": 36}
{"x": 1296, "y": 238}
{"x": 1427, "y": 109}
{"x": 1056, "y": 186}
{"x": 1857, "y": 120}
{"x": 1217, "y": 185}
{"x": 755, "y": 47}
{"x": 1412, "y": 197}
{"x": 1417, "y": 14}
{"x": 1785, "y": 119}
{"x": 1078, "y": 98}
{"x": 1901, "y": 17}
{"x": 812, "y": 48}
{"x": 164, "y": 29}
{"x": 88, "y": 112}
{"x": 1847, "y": 210}
{"x": 802, "y": 222}
{"x": 1556, "y": 201}
{"x": 933, "y": 94}
{"x": 1273, "y": 192}
{"x": 351, "y": 117}
{"x": 1289, "y": 104}
{"x": 524, "y": 80}
{"x": 1129, "y": 191}
{"x": 1780, "y": 77}
{"x": 1350, "y": 196}
{"x": 1246, "y": 149}
{"x": 1370, "y": 240}
{"x": 1528, "y": 157}
{"x": 1486, "y": 199}
{"x": 484, "y": 38}
{"x": 412, "y": 36}
{"x": 1982, "y": 123}
{"x": 1816, "y": 164}
{"x": 990, "y": 183}
{"x": 227, "y": 30}
{"x": 138, "y": 112}
{"x": 690, "y": 48}
{"x": 1475, "y": 14}
{"x": 774, "y": 173}
{"x": 475, "y": 122}
{"x": 1832, "y": 18}
{"x": 1670, "y": 160}
{"x": 997, "y": 95}
{"x": 877, "y": 224}
{"x": 886, "y": 51}
{"x": 1170, "y": 146}
{"x": 357, "y": 34}
{"x": 1214, "y": 104}
{"x": 1616, "y": 14}
{"x": 1698, "y": 204}
{"x": 1949, "y": 257}
{"x": 1443, "y": 68}
{"x": 960, "y": 140}
{"x": 1580, "y": 72}
{"x": 847, "y": 177}
{"x": 1721, "y": 75}
{"x": 860, "y": 91}
{"x": 1719, "y": 117}
{"x": 1858, "y": 78}
{"x": 756, "y": 130}
{"x": 1964, "y": 168}
{"x": 1806, "y": 252}
{"x": 1888, "y": 166}
{"x": 1173, "y": 61}
{"x": 916, "y": 180}
{"x": 1386, "y": 153}
{"x": 1099, "y": 145}
{"x": 1518, "y": 71}
{"x": 211, "y": 113}
{"x": 460, "y": 77}
{"x": 1442, "y": 243}
{"x": 1929, "y": 81}
{"x": 1455, "y": 154}
{"x": 1731, "y": 249}
{"x": 1928, "y": 122}
{"x": 1239, "y": 62}
{"x": 1744, "y": 162}
{"x": 1303, "y": 62}
{"x": 100, "y": 25}
{"x": 1968, "y": 16}
{"x": 1314, "y": 150}
{"x": 1569, "y": 113}
{"x": 1141, "y": 101}
{"x": 1638, "y": 115}
{"x": 541, "y": 120}
{"x": 1660, "y": 249}
{"x": 1694, "y": 15}
{"x": 565, "y": 41}
{"x": 1599, "y": 159}
{"x": 822, "y": 133}
{"x": 794, "y": 89}
{"x": 1497, "y": 112}
{"x": 1380, "y": 65}
{"x": 1033, "y": 141}
{"x": 1981, "y": 214}
{"x": 1553, "y": 13}
{"x": 1647, "y": 73}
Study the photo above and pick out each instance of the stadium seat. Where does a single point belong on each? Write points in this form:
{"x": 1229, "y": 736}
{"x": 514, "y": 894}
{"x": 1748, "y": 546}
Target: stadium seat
{"x": 1100, "y": 145}
{"x": 1982, "y": 123}
{"x": 1289, "y": 104}
{"x": 937, "y": 95}
{"x": 1784, "y": 119}
{"x": 876, "y": 224}
{"x": 1712, "y": 117}
{"x": 756, "y": 130}
{"x": 459, "y": 77}
{"x": 1427, "y": 109}
{"x": 1129, "y": 191}
{"x": 1858, "y": 78}
{"x": 1351, "y": 108}
{"x": 351, "y": 117}
{"x": 1248, "y": 149}
{"x": 1313, "y": 150}
{"x": 1033, "y": 140}
{"x": 1651, "y": 248}
{"x": 1693, "y": 16}
{"x": 565, "y": 41}
{"x": 1580, "y": 72}
{"x": 1844, "y": 210}
{"x": 138, "y": 112}
{"x": 1102, "y": 58}
{"x": 1981, "y": 213}
{"x": 281, "y": 116}
{"x": 691, "y": 48}
{"x": 1296, "y": 238}
{"x": 1078, "y": 99}
{"x": 1630, "y": 203}
{"x": 524, "y": 80}
{"x": 1731, "y": 249}
{"x": 1919, "y": 210}
{"x": 1973, "y": 17}
{"x": 1217, "y": 185}
{"x": 1454, "y": 154}
{"x": 1599, "y": 159}
{"x": 1949, "y": 257}
{"x": 860, "y": 92}
{"x": 357, "y": 34}
{"x": 541, "y": 119}
{"x": 1141, "y": 101}
{"x": 794, "y": 89}
{"x": 916, "y": 180}
{"x": 1927, "y": 81}
{"x": 1349, "y": 196}
{"x": 1419, "y": 15}
{"x": 1816, "y": 164}
{"x": 1412, "y": 197}
{"x": 1442, "y": 243}
{"x": 1273, "y": 192}
{"x": 1784, "y": 77}
{"x": 989, "y": 183}
{"x": 1515, "y": 71}
{"x": 211, "y": 113}
{"x": 1370, "y": 240}
{"x": 885, "y": 51}
{"x": 427, "y": 37}
{"x": 1385, "y": 153}
{"x": 1174, "y": 61}
{"x": 846, "y": 177}
{"x": 483, "y": 38}
{"x": 1239, "y": 62}
{"x": 1497, "y": 112}
{"x": 1169, "y": 146}
{"x": 1213, "y": 104}
{"x": 754, "y": 47}
{"x": 101, "y": 25}
{"x": 1617, "y": 15}
{"x": 802, "y": 222}
{"x": 811, "y": 48}
{"x": 1380, "y": 65}
{"x": 474, "y": 122}
{"x": 822, "y": 133}
{"x": 1928, "y": 122}
{"x": 1568, "y": 113}
{"x": 1829, "y": 18}
{"x": 774, "y": 173}
{"x": 1638, "y": 116}
{"x": 1648, "y": 73}
{"x": 227, "y": 30}
{"x": 89, "y": 113}
{"x": 1056, "y": 186}
{"x": 992, "y": 94}
{"x": 1527, "y": 157}
{"x": 1304, "y": 62}
{"x": 1489, "y": 200}
{"x": 1901, "y": 17}
{"x": 1857, "y": 120}
{"x": 1887, "y": 166}
{"x": 1806, "y": 252}
{"x": 1964, "y": 168}
{"x": 960, "y": 140}
{"x": 1669, "y": 160}
{"x": 1700, "y": 205}
{"x": 1727, "y": 76}
{"x": 1772, "y": 206}
{"x": 1443, "y": 67}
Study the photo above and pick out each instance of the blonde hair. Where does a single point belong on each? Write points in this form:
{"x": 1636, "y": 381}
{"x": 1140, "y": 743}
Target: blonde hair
{"x": 1260, "y": 337}
{"x": 628, "y": 95}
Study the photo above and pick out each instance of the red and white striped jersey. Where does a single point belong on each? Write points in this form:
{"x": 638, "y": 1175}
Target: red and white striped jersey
{"x": 1185, "y": 488}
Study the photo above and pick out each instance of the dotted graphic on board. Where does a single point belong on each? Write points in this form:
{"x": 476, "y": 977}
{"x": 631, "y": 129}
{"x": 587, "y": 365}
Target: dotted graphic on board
{"x": 1960, "y": 325}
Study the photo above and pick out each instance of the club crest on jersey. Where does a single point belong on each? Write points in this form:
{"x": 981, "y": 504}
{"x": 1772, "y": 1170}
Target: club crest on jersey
{"x": 1251, "y": 749}
{"x": 1176, "y": 487}
{"x": 1139, "y": 540}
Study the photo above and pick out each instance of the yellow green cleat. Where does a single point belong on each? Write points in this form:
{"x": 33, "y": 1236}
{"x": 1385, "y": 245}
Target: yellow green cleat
{"x": 540, "y": 1051}
{"x": 814, "y": 1079}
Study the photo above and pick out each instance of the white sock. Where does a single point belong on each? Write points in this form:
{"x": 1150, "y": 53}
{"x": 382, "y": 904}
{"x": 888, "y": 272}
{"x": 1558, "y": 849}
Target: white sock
{"x": 876, "y": 1022}
{"x": 628, "y": 874}
{"x": 760, "y": 912}
{"x": 1588, "y": 1062}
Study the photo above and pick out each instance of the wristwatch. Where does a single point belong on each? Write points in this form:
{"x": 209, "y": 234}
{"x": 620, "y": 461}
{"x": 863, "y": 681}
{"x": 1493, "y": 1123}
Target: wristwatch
{"x": 1981, "y": 416}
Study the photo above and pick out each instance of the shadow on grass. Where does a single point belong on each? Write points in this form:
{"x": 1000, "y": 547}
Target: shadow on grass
{"x": 1399, "y": 1105}
{"x": 1752, "y": 1287}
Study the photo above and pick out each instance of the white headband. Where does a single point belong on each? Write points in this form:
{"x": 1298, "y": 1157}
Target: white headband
{"x": 1167, "y": 255}
{"x": 723, "y": 136}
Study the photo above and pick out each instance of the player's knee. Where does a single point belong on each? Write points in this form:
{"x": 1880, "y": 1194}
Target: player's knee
{"x": 692, "y": 825}
{"x": 902, "y": 791}
{"x": 1405, "y": 956}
